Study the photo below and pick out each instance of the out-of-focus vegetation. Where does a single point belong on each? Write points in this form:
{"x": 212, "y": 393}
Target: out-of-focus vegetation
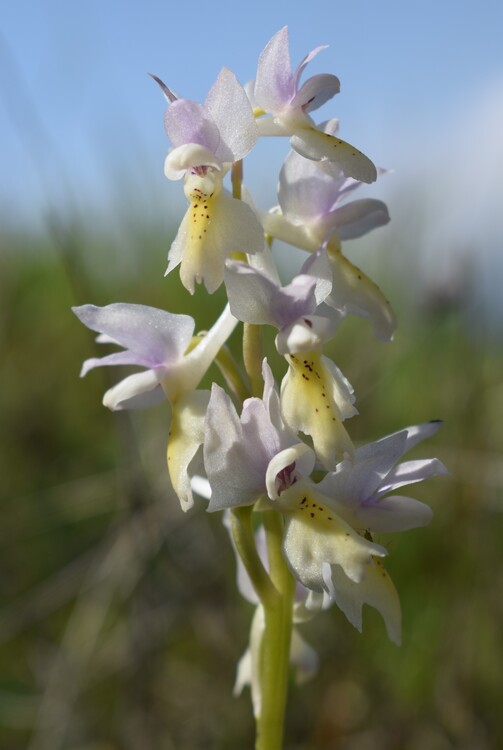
{"x": 120, "y": 624}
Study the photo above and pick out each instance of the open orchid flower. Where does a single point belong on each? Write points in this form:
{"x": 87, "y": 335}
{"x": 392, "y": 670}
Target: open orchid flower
{"x": 206, "y": 139}
{"x": 255, "y": 297}
{"x": 315, "y": 397}
{"x": 361, "y": 488}
{"x": 158, "y": 341}
{"x": 312, "y": 213}
{"x": 277, "y": 93}
{"x": 358, "y": 491}
{"x": 256, "y": 457}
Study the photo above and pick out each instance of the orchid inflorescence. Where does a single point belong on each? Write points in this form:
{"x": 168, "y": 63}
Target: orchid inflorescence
{"x": 302, "y": 503}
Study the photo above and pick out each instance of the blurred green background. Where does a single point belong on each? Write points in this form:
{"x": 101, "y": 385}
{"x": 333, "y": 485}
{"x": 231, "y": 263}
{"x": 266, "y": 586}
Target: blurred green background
{"x": 120, "y": 623}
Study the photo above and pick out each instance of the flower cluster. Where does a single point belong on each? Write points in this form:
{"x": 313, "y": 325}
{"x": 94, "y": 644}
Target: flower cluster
{"x": 282, "y": 450}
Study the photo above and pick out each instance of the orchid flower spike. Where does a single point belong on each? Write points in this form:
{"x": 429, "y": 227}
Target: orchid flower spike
{"x": 159, "y": 342}
{"x": 277, "y": 93}
{"x": 314, "y": 212}
{"x": 206, "y": 139}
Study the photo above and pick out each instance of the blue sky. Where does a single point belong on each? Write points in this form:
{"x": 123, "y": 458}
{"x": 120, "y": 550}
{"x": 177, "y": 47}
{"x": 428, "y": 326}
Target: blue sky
{"x": 81, "y": 124}
{"x": 75, "y": 97}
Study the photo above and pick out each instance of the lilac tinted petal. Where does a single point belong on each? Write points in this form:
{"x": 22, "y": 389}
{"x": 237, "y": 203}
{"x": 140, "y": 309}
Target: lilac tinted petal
{"x": 359, "y": 217}
{"x": 297, "y": 299}
{"x": 236, "y": 455}
{"x": 305, "y": 191}
{"x": 274, "y": 84}
{"x": 156, "y": 336}
{"x": 318, "y": 266}
{"x": 251, "y": 293}
{"x": 230, "y": 109}
{"x": 307, "y": 59}
{"x": 410, "y": 472}
{"x": 138, "y": 391}
{"x": 420, "y": 432}
{"x": 316, "y": 91}
{"x": 354, "y": 483}
{"x": 189, "y": 122}
{"x": 395, "y": 513}
{"x": 117, "y": 358}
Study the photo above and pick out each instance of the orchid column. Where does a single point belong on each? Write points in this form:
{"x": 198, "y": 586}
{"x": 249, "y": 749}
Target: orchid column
{"x": 273, "y": 453}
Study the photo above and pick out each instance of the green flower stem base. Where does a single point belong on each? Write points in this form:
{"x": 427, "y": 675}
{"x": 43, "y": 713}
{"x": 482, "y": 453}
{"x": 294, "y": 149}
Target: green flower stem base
{"x": 275, "y": 651}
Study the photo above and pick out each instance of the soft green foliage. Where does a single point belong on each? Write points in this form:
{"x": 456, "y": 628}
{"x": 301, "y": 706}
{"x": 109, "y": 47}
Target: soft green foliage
{"x": 115, "y": 616}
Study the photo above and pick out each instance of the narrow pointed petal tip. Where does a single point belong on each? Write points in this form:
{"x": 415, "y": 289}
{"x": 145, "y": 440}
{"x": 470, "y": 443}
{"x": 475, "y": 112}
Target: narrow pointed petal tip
{"x": 169, "y": 95}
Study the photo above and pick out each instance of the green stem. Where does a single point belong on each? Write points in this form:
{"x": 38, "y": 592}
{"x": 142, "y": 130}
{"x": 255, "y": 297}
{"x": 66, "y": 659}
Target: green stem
{"x": 237, "y": 179}
{"x": 275, "y": 655}
{"x": 244, "y": 540}
{"x": 252, "y": 357}
{"x": 230, "y": 370}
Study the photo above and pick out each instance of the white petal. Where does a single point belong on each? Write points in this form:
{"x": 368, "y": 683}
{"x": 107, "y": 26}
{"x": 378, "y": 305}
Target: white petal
{"x": 313, "y": 144}
{"x": 315, "y": 536}
{"x": 303, "y": 657}
{"x": 354, "y": 292}
{"x": 135, "y": 392}
{"x": 185, "y": 438}
{"x": 376, "y": 589}
{"x": 230, "y": 109}
{"x": 410, "y": 472}
{"x": 193, "y": 366}
{"x": 189, "y": 155}
{"x": 308, "y": 333}
{"x": 395, "y": 513}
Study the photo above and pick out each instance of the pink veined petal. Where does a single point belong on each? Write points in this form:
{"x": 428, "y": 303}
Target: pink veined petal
{"x": 189, "y": 122}
{"x": 274, "y": 84}
{"x": 316, "y": 91}
{"x": 230, "y": 109}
